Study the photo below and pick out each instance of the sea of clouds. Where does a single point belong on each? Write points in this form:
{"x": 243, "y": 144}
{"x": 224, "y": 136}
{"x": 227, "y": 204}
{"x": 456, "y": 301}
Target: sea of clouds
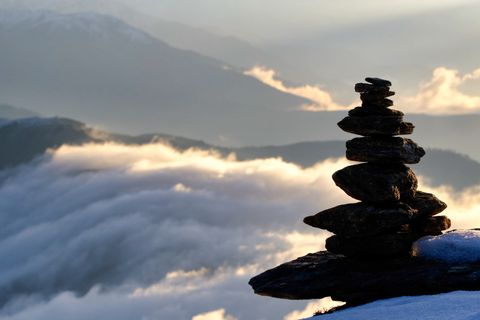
{"x": 147, "y": 232}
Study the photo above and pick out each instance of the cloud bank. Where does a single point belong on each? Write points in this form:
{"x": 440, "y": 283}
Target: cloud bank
{"x": 321, "y": 99}
{"x": 443, "y": 94}
{"x": 148, "y": 232}
{"x": 150, "y": 222}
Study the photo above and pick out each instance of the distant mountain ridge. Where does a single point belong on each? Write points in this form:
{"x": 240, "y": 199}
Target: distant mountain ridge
{"x": 23, "y": 140}
{"x": 100, "y": 70}
{"x": 11, "y": 112}
{"x": 232, "y": 50}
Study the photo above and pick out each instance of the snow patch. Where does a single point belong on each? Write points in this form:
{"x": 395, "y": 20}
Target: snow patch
{"x": 458, "y": 305}
{"x": 90, "y": 22}
{"x": 462, "y": 246}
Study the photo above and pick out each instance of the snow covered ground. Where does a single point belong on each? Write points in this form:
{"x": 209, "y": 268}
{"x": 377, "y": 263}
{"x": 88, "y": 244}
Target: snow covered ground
{"x": 458, "y": 305}
{"x": 453, "y": 247}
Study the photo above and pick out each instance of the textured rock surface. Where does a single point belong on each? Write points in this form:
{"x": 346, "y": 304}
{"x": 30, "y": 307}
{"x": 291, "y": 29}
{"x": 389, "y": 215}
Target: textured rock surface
{"x": 374, "y": 101}
{"x": 378, "y": 81}
{"x": 426, "y": 204}
{"x": 375, "y": 183}
{"x": 368, "y": 87}
{"x": 384, "y": 150}
{"x": 369, "y": 111}
{"x": 376, "y": 125}
{"x": 325, "y": 274}
{"x": 432, "y": 226}
{"x": 373, "y": 247}
{"x": 360, "y": 219}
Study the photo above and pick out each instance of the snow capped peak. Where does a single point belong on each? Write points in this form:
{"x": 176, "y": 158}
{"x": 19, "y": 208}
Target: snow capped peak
{"x": 90, "y": 22}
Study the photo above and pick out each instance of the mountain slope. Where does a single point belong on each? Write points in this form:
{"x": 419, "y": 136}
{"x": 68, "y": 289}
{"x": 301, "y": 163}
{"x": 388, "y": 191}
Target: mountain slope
{"x": 232, "y": 50}
{"x": 100, "y": 70}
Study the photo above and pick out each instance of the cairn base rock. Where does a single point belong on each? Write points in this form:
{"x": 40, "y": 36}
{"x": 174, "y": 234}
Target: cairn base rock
{"x": 324, "y": 274}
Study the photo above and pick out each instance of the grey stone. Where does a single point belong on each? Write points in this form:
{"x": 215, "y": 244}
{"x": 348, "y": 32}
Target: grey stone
{"x": 432, "y": 226}
{"x": 376, "y": 103}
{"x": 377, "y": 183}
{"x": 426, "y": 204}
{"x": 369, "y": 111}
{"x": 376, "y": 125}
{"x": 324, "y": 274}
{"x": 378, "y": 82}
{"x": 384, "y": 150}
{"x": 360, "y": 219}
{"x": 373, "y": 247}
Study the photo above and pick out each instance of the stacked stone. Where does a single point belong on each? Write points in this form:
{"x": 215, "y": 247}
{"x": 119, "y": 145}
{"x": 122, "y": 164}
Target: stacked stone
{"x": 392, "y": 213}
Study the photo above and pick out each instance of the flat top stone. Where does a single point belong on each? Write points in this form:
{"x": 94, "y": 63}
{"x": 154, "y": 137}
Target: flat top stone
{"x": 378, "y": 81}
{"x": 361, "y": 219}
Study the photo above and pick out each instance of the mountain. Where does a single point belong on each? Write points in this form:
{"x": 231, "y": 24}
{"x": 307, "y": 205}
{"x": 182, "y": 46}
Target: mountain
{"x": 24, "y": 139}
{"x": 100, "y": 70}
{"x": 10, "y": 112}
{"x": 233, "y": 50}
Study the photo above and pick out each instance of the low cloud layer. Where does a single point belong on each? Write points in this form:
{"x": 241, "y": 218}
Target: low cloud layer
{"x": 443, "y": 94}
{"x": 149, "y": 220}
{"x": 147, "y": 232}
{"x": 321, "y": 99}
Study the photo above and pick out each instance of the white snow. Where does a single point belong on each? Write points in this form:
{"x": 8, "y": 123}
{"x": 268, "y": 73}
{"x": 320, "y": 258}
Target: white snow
{"x": 459, "y": 305}
{"x": 453, "y": 247}
{"x": 90, "y": 22}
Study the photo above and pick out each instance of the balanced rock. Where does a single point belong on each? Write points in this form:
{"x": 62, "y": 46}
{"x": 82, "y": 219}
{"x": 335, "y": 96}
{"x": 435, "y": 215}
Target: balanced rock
{"x": 384, "y": 150}
{"x": 375, "y": 101}
{"x": 426, "y": 204}
{"x": 373, "y": 247}
{"x": 432, "y": 226}
{"x": 376, "y": 125}
{"x": 373, "y": 89}
{"x": 377, "y": 183}
{"x": 360, "y": 219}
{"x": 369, "y": 111}
{"x": 378, "y": 82}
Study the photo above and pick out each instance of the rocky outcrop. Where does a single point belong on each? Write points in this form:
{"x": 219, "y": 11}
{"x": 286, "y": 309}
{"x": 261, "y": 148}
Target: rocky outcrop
{"x": 369, "y": 257}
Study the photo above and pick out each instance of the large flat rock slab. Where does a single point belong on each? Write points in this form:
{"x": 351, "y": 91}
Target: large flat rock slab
{"x": 324, "y": 274}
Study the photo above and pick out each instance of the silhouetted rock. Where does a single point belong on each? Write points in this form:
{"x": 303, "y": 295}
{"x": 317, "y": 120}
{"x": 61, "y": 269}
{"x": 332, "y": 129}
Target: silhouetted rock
{"x": 372, "y": 111}
{"x": 360, "y": 219}
{"x": 368, "y": 87}
{"x": 377, "y": 183}
{"x": 426, "y": 204}
{"x": 378, "y": 82}
{"x": 384, "y": 150}
{"x": 325, "y": 274}
{"x": 376, "y": 125}
{"x": 375, "y": 101}
{"x": 432, "y": 226}
{"x": 373, "y": 247}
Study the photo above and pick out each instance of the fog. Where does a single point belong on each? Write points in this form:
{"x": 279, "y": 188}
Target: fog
{"x": 147, "y": 232}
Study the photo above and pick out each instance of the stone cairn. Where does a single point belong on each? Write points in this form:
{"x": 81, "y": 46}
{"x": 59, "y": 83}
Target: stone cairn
{"x": 392, "y": 214}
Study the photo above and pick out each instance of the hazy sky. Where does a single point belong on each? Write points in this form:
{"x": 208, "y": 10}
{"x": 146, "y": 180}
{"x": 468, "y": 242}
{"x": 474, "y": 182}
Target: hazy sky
{"x": 276, "y": 19}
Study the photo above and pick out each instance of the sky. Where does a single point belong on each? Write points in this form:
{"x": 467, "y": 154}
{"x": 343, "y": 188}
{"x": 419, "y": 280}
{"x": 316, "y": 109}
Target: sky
{"x": 278, "y": 20}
